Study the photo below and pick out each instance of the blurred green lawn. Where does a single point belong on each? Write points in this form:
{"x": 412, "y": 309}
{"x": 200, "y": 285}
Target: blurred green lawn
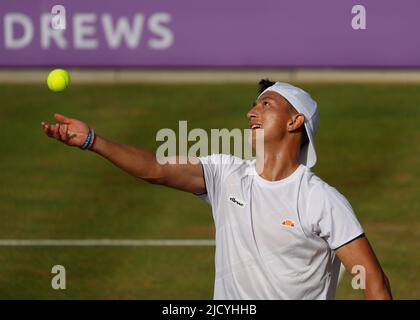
{"x": 368, "y": 148}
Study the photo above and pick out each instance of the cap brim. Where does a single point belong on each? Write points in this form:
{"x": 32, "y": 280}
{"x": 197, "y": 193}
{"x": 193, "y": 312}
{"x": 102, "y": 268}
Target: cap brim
{"x": 308, "y": 153}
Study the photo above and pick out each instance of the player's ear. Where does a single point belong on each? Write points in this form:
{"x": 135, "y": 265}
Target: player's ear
{"x": 296, "y": 121}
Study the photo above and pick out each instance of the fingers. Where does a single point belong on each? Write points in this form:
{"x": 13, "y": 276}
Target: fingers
{"x": 62, "y": 130}
{"x": 46, "y": 127}
{"x": 61, "y": 118}
{"x": 52, "y": 130}
{"x": 55, "y": 129}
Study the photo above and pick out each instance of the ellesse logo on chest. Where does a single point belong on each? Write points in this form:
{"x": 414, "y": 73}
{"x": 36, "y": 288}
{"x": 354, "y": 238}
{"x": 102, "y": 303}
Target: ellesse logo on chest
{"x": 288, "y": 223}
{"x": 238, "y": 202}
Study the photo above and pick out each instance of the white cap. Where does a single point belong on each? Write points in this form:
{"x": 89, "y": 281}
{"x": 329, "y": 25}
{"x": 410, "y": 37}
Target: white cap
{"x": 303, "y": 103}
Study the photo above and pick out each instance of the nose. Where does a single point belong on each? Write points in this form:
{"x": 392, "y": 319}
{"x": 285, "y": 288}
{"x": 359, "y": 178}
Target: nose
{"x": 252, "y": 113}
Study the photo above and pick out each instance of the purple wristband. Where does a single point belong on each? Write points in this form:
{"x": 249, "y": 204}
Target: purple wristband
{"x": 92, "y": 139}
{"x": 87, "y": 141}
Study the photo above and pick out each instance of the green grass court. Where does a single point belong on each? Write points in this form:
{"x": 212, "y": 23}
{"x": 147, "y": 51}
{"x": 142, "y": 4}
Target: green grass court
{"x": 368, "y": 148}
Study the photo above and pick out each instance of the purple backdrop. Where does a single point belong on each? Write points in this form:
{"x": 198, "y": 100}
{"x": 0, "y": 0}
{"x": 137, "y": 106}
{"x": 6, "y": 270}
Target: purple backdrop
{"x": 213, "y": 33}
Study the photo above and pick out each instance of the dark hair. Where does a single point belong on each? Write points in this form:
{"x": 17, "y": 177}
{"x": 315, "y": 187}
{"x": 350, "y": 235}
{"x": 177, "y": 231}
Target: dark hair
{"x": 266, "y": 83}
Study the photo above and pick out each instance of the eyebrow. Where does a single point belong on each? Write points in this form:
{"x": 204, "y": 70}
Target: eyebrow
{"x": 264, "y": 98}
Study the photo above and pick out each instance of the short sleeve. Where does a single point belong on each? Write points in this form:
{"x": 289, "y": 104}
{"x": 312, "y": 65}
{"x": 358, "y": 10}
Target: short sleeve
{"x": 215, "y": 169}
{"x": 333, "y": 218}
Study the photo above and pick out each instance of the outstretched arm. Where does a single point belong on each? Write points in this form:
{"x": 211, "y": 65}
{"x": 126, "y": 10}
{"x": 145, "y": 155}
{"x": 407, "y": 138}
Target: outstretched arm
{"x": 360, "y": 253}
{"x": 136, "y": 161}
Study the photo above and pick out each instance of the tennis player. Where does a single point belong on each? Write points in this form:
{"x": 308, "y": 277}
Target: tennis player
{"x": 281, "y": 231}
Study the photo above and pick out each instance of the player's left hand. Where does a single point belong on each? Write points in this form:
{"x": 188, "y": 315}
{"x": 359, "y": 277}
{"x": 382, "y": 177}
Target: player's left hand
{"x": 70, "y": 131}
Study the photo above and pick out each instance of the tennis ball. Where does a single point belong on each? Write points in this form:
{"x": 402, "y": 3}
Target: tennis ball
{"x": 58, "y": 80}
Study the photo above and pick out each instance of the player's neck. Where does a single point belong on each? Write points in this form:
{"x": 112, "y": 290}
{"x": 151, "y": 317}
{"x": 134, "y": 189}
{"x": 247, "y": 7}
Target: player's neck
{"x": 277, "y": 162}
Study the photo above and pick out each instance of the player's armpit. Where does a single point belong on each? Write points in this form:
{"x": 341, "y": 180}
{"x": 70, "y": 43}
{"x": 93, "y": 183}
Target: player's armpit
{"x": 358, "y": 254}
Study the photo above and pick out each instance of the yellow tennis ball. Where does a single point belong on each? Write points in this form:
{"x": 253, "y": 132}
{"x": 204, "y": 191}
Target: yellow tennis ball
{"x": 58, "y": 80}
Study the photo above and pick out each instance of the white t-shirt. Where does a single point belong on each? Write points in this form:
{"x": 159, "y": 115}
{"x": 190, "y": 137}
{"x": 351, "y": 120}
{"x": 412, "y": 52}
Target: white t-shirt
{"x": 275, "y": 239}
